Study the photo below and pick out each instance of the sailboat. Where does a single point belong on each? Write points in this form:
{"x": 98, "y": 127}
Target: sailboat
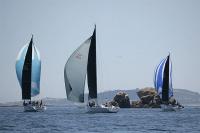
{"x": 81, "y": 63}
{"x": 163, "y": 84}
{"x": 28, "y": 69}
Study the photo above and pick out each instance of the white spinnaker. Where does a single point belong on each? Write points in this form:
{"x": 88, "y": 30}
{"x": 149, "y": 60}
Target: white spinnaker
{"x": 75, "y": 72}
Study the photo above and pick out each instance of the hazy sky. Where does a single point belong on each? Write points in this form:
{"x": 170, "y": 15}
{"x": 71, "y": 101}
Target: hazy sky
{"x": 132, "y": 38}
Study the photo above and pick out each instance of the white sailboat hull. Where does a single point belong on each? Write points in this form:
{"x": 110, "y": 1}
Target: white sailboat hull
{"x": 168, "y": 108}
{"x": 31, "y": 108}
{"x": 102, "y": 109}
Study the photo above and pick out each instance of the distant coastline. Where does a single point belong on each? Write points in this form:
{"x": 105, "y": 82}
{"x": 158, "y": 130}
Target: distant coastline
{"x": 185, "y": 97}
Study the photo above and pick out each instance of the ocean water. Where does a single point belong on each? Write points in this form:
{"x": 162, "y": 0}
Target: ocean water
{"x": 61, "y": 119}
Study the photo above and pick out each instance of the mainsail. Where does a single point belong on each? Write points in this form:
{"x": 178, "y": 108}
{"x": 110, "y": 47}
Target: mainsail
{"x": 28, "y": 69}
{"x": 26, "y": 73}
{"x": 92, "y": 68}
{"x": 163, "y": 79}
{"x": 80, "y": 63}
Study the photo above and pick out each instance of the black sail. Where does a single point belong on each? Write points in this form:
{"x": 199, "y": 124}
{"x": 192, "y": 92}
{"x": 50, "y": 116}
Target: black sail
{"x": 165, "y": 90}
{"x": 92, "y": 68}
{"x": 26, "y": 73}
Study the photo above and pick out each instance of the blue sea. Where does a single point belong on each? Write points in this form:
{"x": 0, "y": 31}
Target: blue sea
{"x": 72, "y": 119}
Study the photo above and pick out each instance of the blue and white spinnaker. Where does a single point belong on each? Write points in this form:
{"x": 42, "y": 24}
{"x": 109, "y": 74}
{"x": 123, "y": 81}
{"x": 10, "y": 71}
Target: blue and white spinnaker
{"x": 159, "y": 77}
{"x": 35, "y": 68}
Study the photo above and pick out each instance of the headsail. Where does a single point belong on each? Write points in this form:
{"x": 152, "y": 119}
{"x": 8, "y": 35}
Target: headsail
{"x": 92, "y": 68}
{"x": 80, "y": 63}
{"x": 75, "y": 72}
{"x": 28, "y": 69}
{"x": 163, "y": 77}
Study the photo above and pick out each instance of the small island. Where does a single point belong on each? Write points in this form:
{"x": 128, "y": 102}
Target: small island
{"x": 148, "y": 98}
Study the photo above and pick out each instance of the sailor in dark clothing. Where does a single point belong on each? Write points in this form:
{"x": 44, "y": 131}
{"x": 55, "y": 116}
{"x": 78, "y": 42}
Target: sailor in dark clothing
{"x": 33, "y": 103}
{"x": 36, "y": 103}
{"x": 41, "y": 103}
{"x": 24, "y": 103}
{"x": 91, "y": 104}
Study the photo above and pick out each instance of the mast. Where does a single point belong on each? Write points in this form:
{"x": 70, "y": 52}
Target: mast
{"x": 26, "y": 73}
{"x": 165, "y": 87}
{"x": 92, "y": 68}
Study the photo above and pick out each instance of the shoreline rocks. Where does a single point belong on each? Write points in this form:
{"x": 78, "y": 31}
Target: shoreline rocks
{"x": 148, "y": 98}
{"x": 122, "y": 99}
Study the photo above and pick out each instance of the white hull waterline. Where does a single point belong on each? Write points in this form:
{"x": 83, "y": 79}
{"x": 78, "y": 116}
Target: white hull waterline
{"x": 31, "y": 108}
{"x": 102, "y": 109}
{"x": 168, "y": 108}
